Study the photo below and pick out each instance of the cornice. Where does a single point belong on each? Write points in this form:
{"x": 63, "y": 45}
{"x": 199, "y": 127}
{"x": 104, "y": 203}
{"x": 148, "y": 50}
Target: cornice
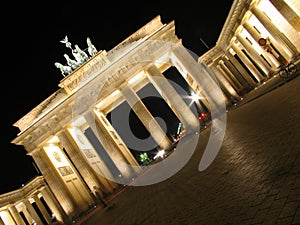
{"x": 22, "y": 193}
{"x": 234, "y": 18}
{"x": 41, "y": 124}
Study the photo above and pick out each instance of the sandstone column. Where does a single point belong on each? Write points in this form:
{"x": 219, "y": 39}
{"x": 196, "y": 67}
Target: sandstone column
{"x": 145, "y": 116}
{"x": 16, "y": 215}
{"x": 54, "y": 181}
{"x": 288, "y": 50}
{"x": 254, "y": 73}
{"x": 42, "y": 208}
{"x": 263, "y": 65}
{"x": 288, "y": 13}
{"x": 173, "y": 99}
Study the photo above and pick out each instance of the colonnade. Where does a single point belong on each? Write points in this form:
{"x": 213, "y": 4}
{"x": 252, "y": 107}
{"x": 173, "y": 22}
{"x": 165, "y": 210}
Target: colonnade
{"x": 34, "y": 205}
{"x": 265, "y": 38}
{"x": 76, "y": 147}
{"x": 78, "y": 150}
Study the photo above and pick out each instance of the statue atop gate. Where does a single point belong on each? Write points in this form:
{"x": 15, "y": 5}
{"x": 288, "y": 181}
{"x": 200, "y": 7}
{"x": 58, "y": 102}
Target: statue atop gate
{"x": 79, "y": 56}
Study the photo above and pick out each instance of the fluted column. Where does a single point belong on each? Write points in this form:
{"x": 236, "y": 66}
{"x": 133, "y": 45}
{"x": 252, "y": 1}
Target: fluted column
{"x": 102, "y": 120}
{"x": 16, "y": 215}
{"x": 288, "y": 13}
{"x": 145, "y": 116}
{"x": 254, "y": 72}
{"x": 201, "y": 74}
{"x": 235, "y": 73}
{"x": 173, "y": 99}
{"x": 230, "y": 77}
{"x": 85, "y": 170}
{"x": 241, "y": 70}
{"x": 54, "y": 205}
{"x": 27, "y": 217}
{"x": 254, "y": 55}
{"x": 256, "y": 36}
{"x": 225, "y": 85}
{"x": 114, "y": 162}
{"x": 289, "y": 50}
{"x": 42, "y": 208}
{"x": 55, "y": 183}
{"x": 30, "y": 209}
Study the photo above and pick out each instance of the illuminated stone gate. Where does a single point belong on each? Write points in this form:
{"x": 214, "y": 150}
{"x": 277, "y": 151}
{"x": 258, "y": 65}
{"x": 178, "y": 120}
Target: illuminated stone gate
{"x": 75, "y": 146}
{"x": 59, "y": 133}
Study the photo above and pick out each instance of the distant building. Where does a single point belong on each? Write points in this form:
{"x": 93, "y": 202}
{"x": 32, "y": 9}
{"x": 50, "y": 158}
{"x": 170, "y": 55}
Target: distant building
{"x": 76, "y": 147}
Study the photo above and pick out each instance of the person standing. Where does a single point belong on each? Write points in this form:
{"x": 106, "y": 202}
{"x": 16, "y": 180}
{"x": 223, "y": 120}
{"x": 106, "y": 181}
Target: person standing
{"x": 99, "y": 197}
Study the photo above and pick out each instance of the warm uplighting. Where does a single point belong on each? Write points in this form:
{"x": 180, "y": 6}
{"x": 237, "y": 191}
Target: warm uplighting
{"x": 137, "y": 78}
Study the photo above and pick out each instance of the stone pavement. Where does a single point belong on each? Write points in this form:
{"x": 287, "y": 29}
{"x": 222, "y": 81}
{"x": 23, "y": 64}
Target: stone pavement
{"x": 254, "y": 179}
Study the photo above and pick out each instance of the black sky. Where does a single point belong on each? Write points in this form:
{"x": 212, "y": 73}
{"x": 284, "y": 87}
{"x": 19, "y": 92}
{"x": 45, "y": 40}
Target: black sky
{"x": 31, "y": 34}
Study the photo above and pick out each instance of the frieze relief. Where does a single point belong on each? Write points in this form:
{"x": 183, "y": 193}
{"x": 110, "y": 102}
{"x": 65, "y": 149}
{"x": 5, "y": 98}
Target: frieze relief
{"x": 85, "y": 73}
{"x": 48, "y": 128}
{"x": 89, "y": 70}
{"x": 66, "y": 114}
{"x": 93, "y": 67}
{"x": 109, "y": 81}
{"x": 29, "y": 118}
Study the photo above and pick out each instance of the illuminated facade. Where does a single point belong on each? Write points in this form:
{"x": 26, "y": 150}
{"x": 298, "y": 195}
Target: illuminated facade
{"x": 257, "y": 40}
{"x": 64, "y": 132}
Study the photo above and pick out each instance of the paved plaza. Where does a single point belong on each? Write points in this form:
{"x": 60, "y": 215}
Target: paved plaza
{"x": 255, "y": 178}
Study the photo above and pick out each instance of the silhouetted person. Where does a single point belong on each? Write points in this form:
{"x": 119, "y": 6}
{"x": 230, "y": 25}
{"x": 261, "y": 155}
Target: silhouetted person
{"x": 99, "y": 197}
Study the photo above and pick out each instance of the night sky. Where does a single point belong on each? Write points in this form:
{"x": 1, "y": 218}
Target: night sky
{"x": 31, "y": 35}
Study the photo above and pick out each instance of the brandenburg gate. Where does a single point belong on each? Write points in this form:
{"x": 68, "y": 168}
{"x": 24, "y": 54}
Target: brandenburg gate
{"x": 76, "y": 148}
